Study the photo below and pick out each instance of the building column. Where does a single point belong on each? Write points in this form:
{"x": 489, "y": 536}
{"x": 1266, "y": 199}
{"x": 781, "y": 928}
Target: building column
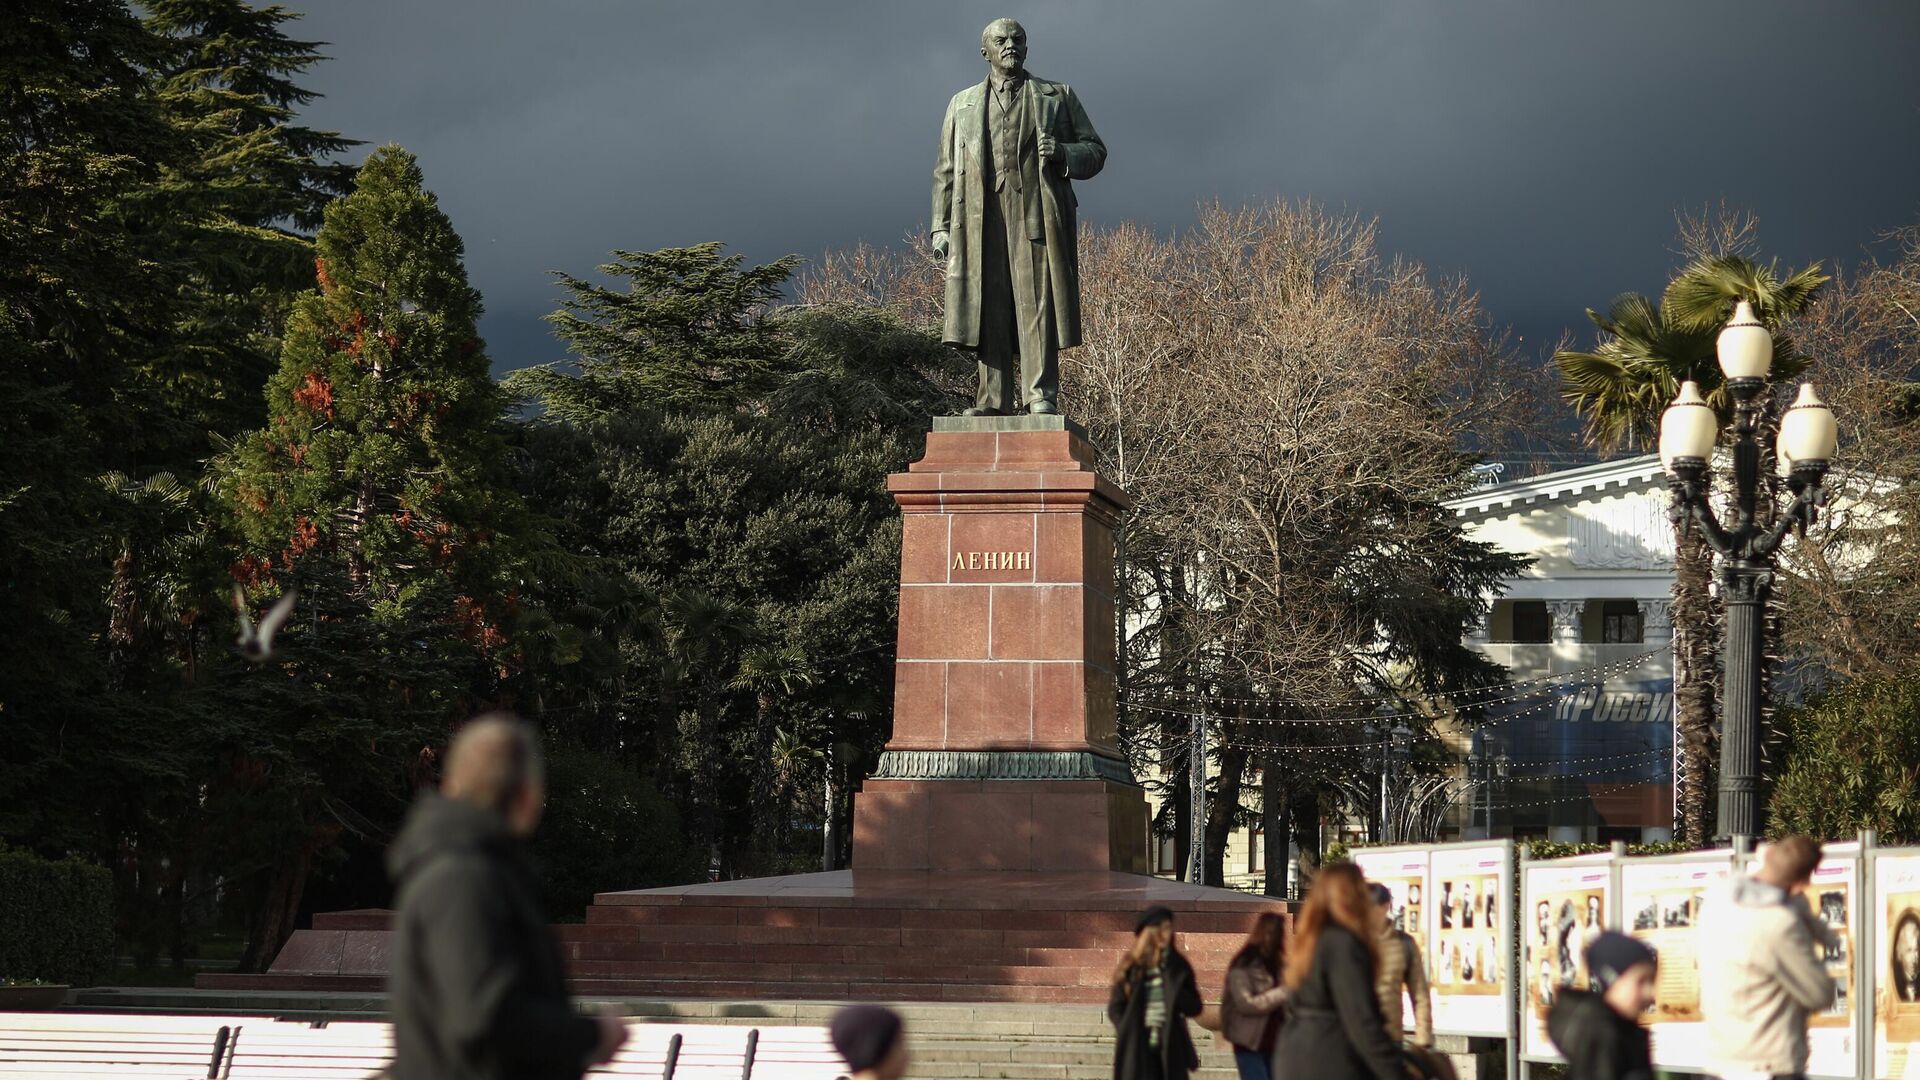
{"x": 1656, "y": 620}
{"x": 1567, "y": 617}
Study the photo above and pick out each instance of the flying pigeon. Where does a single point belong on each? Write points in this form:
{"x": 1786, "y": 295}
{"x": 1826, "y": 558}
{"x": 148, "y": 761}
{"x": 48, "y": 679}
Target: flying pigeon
{"x": 256, "y": 642}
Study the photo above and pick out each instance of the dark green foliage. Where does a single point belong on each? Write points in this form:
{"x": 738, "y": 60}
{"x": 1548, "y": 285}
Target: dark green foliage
{"x": 153, "y": 183}
{"x": 378, "y": 488}
{"x": 1852, "y": 762}
{"x": 606, "y": 828}
{"x": 56, "y": 920}
{"x": 690, "y": 330}
{"x": 726, "y": 464}
{"x": 235, "y": 211}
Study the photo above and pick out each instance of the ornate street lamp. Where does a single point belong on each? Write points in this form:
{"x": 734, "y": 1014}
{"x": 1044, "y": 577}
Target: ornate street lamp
{"x": 1747, "y": 547}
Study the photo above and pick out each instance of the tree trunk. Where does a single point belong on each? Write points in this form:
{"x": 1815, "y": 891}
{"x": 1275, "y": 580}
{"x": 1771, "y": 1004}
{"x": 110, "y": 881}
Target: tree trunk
{"x": 1222, "y": 811}
{"x": 1694, "y": 690}
{"x": 274, "y": 918}
{"x": 1304, "y": 808}
{"x": 1274, "y": 825}
{"x": 769, "y": 839}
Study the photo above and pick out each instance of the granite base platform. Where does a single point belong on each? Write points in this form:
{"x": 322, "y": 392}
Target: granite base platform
{"x": 845, "y": 936}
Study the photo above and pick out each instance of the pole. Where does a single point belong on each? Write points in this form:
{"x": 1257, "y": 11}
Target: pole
{"x": 826, "y": 826}
{"x": 1197, "y": 794}
{"x": 1744, "y": 587}
{"x": 1386, "y": 837}
{"x": 1743, "y": 591}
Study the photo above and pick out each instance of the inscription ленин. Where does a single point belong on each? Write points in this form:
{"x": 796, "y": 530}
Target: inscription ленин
{"x": 992, "y": 560}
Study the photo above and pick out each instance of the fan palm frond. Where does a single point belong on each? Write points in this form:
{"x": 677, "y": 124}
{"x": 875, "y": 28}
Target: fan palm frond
{"x": 1702, "y": 295}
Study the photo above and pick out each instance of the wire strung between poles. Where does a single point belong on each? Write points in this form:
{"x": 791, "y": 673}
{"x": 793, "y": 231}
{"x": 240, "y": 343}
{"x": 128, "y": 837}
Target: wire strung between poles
{"x": 1588, "y": 675}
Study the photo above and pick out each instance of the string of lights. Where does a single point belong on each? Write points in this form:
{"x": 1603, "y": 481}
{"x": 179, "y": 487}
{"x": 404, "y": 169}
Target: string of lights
{"x": 1551, "y": 703}
{"x": 1581, "y": 675}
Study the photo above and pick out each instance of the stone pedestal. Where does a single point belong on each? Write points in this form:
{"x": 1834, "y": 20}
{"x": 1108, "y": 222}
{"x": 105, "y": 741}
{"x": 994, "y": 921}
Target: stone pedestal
{"x": 1003, "y": 755}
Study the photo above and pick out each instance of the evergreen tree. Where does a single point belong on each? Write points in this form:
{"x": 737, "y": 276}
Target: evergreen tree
{"x": 80, "y": 136}
{"x": 726, "y": 460}
{"x": 377, "y": 488}
{"x": 238, "y": 211}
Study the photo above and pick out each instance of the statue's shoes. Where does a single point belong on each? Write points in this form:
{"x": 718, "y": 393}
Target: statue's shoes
{"x": 1043, "y": 407}
{"x": 979, "y": 412}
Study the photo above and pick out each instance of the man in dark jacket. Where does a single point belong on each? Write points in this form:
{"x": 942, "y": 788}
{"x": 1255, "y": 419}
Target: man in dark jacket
{"x": 477, "y": 986}
{"x": 1599, "y": 1032}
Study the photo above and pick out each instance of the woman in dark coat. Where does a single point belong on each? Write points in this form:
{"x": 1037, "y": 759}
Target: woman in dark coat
{"x": 1334, "y": 1031}
{"x": 1153, "y": 994}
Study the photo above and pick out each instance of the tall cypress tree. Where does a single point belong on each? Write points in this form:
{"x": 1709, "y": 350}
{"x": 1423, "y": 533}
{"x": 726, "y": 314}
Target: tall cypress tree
{"x": 377, "y": 487}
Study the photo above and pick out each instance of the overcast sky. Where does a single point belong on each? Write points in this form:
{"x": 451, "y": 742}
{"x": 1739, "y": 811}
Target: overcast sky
{"x": 1540, "y": 147}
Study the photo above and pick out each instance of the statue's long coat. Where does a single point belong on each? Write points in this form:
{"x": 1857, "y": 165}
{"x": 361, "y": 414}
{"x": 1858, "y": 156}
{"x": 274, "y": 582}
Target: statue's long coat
{"x": 959, "y": 202}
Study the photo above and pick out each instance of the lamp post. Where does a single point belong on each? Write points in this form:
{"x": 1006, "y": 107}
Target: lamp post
{"x": 1747, "y": 546}
{"x": 1502, "y": 768}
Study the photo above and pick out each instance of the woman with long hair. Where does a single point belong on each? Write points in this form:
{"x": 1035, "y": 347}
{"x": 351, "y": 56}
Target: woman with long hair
{"x": 1255, "y": 1002}
{"x": 1334, "y": 1030}
{"x": 1153, "y": 994}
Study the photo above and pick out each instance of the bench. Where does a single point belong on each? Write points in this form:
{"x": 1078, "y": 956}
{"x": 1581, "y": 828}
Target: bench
{"x": 353, "y": 1049}
{"x": 42, "y": 1044}
{"x": 256, "y": 1048}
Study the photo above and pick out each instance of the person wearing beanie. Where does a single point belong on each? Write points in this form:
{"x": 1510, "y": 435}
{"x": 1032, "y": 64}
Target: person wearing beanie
{"x": 1153, "y": 993}
{"x": 1598, "y": 1031}
{"x": 1400, "y": 967}
{"x": 872, "y": 1039}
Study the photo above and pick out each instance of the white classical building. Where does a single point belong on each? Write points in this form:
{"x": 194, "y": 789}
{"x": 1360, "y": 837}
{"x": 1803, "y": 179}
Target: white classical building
{"x": 1585, "y": 752}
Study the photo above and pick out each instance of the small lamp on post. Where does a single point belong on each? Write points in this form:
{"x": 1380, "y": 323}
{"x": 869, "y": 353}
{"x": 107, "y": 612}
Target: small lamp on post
{"x": 1747, "y": 545}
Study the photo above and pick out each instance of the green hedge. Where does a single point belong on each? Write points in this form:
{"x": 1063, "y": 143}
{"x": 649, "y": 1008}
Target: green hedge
{"x": 56, "y": 920}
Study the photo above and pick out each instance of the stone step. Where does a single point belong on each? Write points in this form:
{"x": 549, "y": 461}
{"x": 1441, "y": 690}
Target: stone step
{"x": 1111, "y": 925}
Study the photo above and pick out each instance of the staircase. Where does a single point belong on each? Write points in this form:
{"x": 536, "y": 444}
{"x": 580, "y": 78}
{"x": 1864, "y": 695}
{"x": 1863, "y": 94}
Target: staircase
{"x": 873, "y": 953}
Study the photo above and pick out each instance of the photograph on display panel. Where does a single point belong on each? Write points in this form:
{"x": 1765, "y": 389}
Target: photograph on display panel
{"x": 1896, "y": 967}
{"x": 1466, "y": 958}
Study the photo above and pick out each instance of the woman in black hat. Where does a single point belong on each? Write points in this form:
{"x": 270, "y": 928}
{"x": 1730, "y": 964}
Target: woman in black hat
{"x": 1153, "y": 994}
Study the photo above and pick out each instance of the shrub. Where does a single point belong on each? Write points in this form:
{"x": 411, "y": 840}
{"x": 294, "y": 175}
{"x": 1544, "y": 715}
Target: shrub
{"x": 1850, "y": 763}
{"x": 606, "y": 829}
{"x": 56, "y": 920}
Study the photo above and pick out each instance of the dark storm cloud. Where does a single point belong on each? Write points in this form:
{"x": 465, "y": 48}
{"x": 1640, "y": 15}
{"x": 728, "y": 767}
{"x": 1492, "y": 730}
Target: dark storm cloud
{"x": 1540, "y": 148}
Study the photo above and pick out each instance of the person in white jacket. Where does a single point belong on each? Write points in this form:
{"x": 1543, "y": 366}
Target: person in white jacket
{"x": 1759, "y": 974}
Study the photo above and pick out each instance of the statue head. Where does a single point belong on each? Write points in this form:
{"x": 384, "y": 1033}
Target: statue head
{"x": 1004, "y": 44}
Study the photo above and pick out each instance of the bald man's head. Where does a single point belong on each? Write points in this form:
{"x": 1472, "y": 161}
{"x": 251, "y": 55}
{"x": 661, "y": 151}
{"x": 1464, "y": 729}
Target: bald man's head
{"x": 1004, "y": 44}
{"x": 495, "y": 762}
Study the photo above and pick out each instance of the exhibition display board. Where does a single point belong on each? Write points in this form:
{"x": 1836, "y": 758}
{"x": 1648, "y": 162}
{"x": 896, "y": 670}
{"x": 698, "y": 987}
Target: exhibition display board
{"x": 1833, "y": 1035}
{"x": 1565, "y": 902}
{"x": 1454, "y": 899}
{"x": 1893, "y": 925}
{"x": 1660, "y": 904}
{"x": 1502, "y": 941}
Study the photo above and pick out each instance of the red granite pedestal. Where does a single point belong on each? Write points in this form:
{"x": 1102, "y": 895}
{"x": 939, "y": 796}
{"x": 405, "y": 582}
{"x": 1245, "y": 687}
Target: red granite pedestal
{"x": 999, "y": 849}
{"x": 1003, "y": 754}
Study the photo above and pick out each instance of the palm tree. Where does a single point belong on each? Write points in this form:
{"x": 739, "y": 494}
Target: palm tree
{"x": 793, "y": 755}
{"x": 1620, "y": 388}
{"x": 772, "y": 673}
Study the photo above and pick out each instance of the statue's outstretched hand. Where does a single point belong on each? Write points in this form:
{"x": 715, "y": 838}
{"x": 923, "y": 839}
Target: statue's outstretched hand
{"x": 942, "y": 245}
